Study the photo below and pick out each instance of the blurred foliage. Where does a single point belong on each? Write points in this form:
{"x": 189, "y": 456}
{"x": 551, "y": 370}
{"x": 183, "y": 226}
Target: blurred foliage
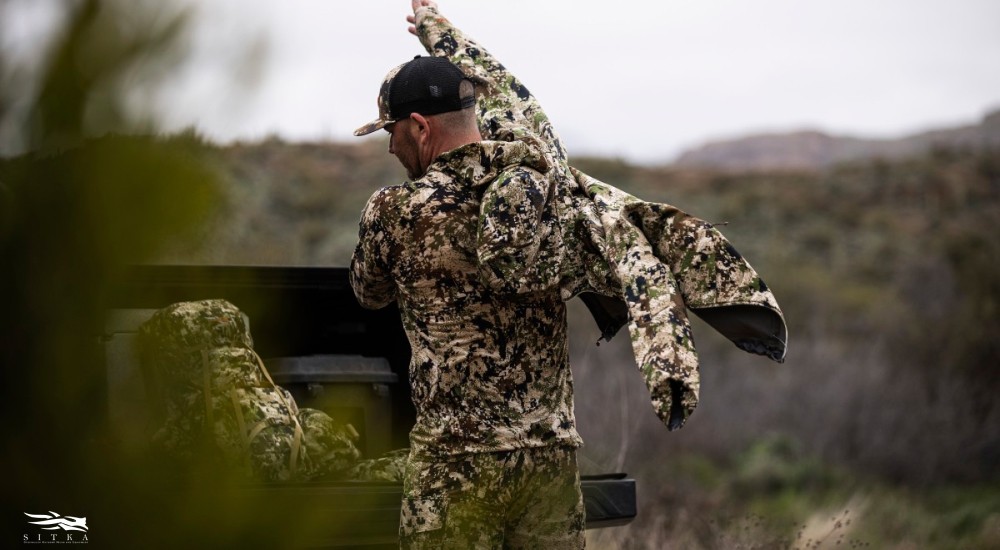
{"x": 75, "y": 210}
{"x": 107, "y": 52}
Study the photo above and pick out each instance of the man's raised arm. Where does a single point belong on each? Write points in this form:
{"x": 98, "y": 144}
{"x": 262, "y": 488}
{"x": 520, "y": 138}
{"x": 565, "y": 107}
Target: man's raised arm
{"x": 507, "y": 110}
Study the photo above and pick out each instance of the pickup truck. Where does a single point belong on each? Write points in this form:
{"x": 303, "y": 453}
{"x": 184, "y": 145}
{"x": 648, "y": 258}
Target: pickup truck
{"x": 331, "y": 354}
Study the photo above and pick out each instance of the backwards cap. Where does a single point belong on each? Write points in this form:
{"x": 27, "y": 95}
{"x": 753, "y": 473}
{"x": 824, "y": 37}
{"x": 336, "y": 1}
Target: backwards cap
{"x": 424, "y": 85}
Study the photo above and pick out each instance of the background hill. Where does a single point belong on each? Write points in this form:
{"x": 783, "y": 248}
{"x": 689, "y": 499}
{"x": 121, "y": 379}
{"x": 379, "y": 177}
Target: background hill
{"x": 807, "y": 150}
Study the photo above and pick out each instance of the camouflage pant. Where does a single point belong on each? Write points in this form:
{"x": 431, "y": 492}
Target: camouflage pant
{"x": 527, "y": 498}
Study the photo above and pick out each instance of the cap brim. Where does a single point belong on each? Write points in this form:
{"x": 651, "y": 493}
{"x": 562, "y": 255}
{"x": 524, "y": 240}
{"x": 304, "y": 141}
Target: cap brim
{"x": 372, "y": 126}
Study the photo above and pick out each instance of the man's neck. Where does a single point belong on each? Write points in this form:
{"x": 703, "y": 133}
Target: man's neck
{"x": 454, "y": 141}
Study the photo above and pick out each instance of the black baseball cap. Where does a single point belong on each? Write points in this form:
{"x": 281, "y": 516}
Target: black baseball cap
{"x": 425, "y": 85}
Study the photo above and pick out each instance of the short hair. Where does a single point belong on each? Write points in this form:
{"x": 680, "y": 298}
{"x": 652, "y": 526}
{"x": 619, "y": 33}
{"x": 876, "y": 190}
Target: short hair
{"x": 464, "y": 118}
{"x": 466, "y": 89}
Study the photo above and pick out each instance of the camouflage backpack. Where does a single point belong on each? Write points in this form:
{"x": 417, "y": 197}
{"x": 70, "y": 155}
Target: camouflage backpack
{"x": 218, "y": 396}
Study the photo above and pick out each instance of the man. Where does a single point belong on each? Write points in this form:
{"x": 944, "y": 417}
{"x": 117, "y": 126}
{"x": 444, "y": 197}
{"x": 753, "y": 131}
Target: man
{"x": 493, "y": 451}
{"x": 465, "y": 284}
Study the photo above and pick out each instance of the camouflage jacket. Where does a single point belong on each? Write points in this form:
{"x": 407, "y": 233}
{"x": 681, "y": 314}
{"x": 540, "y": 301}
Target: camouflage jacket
{"x": 654, "y": 261}
{"x": 489, "y": 369}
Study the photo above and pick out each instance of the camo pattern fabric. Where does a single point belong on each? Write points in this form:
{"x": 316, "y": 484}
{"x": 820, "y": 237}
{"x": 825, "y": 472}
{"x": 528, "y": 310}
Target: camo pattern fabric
{"x": 204, "y": 324}
{"x": 261, "y": 427}
{"x": 389, "y": 467}
{"x": 561, "y": 254}
{"x": 520, "y": 241}
{"x": 488, "y": 372}
{"x": 330, "y": 445}
{"x": 655, "y": 258}
{"x": 526, "y": 498}
{"x": 184, "y": 396}
{"x": 220, "y": 402}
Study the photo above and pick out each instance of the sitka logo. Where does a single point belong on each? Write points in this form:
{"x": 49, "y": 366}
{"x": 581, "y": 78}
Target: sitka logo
{"x": 63, "y": 529}
{"x": 55, "y": 521}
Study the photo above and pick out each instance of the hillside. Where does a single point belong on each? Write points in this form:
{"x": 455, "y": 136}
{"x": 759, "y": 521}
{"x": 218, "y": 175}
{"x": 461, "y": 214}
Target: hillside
{"x": 811, "y": 150}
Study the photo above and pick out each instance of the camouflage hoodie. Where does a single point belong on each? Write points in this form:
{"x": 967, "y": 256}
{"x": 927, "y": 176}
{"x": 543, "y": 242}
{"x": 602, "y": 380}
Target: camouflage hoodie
{"x": 649, "y": 262}
{"x": 488, "y": 372}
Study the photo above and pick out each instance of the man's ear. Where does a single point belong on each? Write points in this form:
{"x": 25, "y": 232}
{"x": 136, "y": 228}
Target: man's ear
{"x": 422, "y": 127}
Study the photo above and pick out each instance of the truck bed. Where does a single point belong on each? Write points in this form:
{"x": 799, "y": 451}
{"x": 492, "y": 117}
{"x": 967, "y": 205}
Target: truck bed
{"x": 301, "y": 315}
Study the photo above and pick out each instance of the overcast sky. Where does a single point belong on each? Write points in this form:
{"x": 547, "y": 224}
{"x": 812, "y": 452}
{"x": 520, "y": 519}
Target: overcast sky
{"x": 637, "y": 79}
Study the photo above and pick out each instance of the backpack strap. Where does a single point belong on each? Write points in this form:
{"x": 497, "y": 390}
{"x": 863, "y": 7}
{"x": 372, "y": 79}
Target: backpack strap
{"x": 206, "y": 390}
{"x": 297, "y": 438}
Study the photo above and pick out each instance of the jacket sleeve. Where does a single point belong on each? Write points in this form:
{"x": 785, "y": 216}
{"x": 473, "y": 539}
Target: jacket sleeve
{"x": 507, "y": 110}
{"x": 370, "y": 275}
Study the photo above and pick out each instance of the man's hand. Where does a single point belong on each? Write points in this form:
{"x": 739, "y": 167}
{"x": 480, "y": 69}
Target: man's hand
{"x": 412, "y": 19}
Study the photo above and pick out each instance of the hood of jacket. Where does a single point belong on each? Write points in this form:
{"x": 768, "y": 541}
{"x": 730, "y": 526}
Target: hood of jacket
{"x": 479, "y": 163}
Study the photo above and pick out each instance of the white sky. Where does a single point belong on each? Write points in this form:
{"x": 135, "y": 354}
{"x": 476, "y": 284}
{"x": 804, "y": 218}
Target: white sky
{"x": 632, "y": 78}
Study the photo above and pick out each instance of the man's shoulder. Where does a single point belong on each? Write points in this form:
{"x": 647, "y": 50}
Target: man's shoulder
{"x": 385, "y": 207}
{"x": 389, "y": 196}
{"x": 389, "y": 191}
{"x": 405, "y": 200}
